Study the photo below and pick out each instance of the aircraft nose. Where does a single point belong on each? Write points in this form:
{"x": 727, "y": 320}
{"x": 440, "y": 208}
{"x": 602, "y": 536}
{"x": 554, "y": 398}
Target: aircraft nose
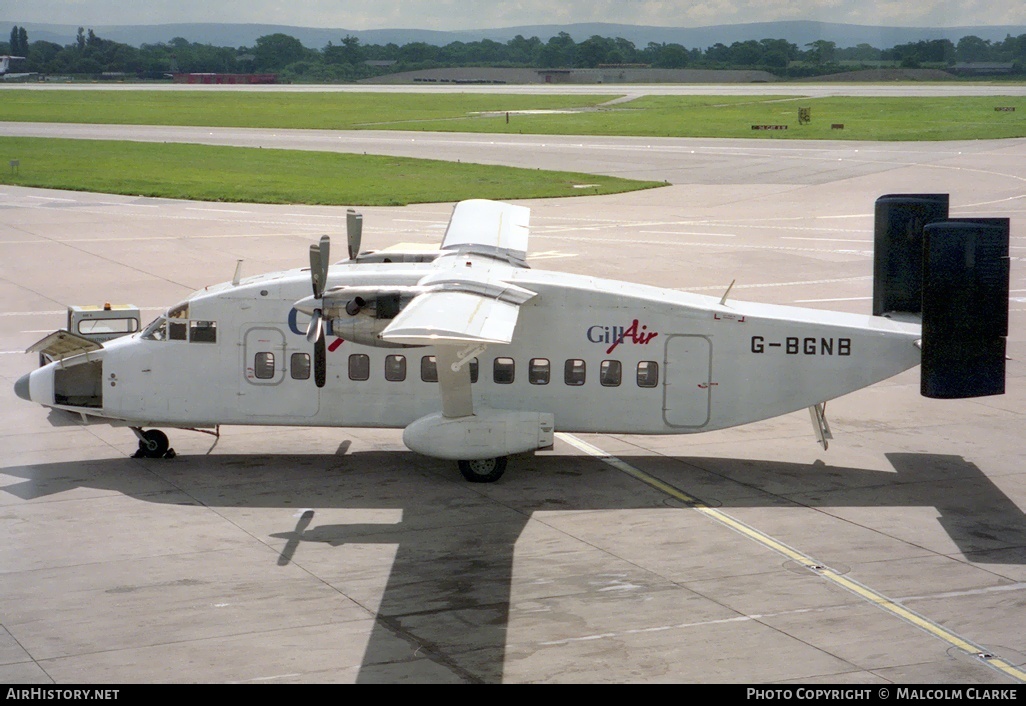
{"x": 21, "y": 387}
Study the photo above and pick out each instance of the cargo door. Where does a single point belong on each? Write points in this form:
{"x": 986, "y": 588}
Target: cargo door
{"x": 687, "y": 391}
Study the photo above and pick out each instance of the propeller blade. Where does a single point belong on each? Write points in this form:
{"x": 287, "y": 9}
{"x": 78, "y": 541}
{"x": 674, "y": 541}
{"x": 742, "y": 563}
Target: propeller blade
{"x": 315, "y": 331}
{"x": 320, "y": 362}
{"x": 315, "y": 271}
{"x": 354, "y": 230}
{"x": 320, "y": 258}
{"x": 325, "y": 258}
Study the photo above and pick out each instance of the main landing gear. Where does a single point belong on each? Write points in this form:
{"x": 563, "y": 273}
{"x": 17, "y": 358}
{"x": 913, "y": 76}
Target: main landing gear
{"x": 484, "y": 470}
{"x": 153, "y": 443}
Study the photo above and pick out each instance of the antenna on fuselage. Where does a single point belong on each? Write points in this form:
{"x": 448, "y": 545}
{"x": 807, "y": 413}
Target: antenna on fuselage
{"x": 723, "y": 300}
{"x": 238, "y": 274}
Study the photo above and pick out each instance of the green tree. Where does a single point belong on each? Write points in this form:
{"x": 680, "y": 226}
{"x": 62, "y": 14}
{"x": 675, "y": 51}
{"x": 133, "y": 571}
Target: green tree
{"x": 276, "y": 51}
{"x": 778, "y": 53}
{"x": 595, "y": 50}
{"x": 348, "y": 52}
{"x": 861, "y": 52}
{"x": 418, "y": 53}
{"x": 671, "y": 56}
{"x": 524, "y": 51}
{"x": 42, "y": 54}
{"x": 972, "y": 48}
{"x": 560, "y": 51}
{"x": 821, "y": 51}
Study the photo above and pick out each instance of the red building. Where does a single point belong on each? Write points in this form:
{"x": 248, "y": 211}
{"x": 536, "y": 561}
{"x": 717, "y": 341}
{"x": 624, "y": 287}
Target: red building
{"x": 226, "y": 78}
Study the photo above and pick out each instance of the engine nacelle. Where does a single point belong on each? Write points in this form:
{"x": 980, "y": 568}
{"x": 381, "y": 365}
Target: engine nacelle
{"x": 488, "y": 433}
{"x": 359, "y": 314}
{"x": 363, "y": 329}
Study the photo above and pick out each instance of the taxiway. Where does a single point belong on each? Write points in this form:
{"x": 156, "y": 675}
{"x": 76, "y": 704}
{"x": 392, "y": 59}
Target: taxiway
{"x": 334, "y": 555}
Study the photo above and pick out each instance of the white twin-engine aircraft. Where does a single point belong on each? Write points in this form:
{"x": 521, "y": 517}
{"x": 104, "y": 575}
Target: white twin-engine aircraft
{"x": 5, "y": 67}
{"x": 476, "y": 356}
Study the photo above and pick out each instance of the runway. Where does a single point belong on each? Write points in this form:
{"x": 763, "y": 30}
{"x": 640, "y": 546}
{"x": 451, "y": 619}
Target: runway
{"x": 748, "y": 555}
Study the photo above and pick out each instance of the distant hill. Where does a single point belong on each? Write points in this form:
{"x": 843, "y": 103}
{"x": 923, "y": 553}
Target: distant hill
{"x": 797, "y": 32}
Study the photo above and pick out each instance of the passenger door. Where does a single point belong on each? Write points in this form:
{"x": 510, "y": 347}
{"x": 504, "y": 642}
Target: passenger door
{"x": 277, "y": 379}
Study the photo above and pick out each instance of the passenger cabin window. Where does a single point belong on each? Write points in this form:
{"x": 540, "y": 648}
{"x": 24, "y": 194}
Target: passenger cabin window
{"x": 299, "y": 366}
{"x": 648, "y": 373}
{"x": 263, "y": 366}
{"x": 395, "y": 368}
{"x": 610, "y": 373}
{"x": 428, "y": 369}
{"x": 359, "y": 366}
{"x": 203, "y": 331}
{"x": 503, "y": 371}
{"x": 538, "y": 371}
{"x": 574, "y": 372}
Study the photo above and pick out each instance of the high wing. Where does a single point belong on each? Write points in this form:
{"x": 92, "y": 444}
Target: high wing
{"x": 468, "y": 301}
{"x": 459, "y": 311}
{"x": 467, "y": 305}
{"x": 489, "y": 228}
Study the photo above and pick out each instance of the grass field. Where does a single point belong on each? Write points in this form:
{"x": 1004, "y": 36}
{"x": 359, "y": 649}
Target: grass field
{"x": 285, "y": 176}
{"x": 328, "y": 110}
{"x": 208, "y": 173}
{"x": 876, "y": 119}
{"x": 960, "y": 118}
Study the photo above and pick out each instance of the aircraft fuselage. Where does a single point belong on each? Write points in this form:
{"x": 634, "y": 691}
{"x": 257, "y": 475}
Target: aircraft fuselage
{"x": 599, "y": 355}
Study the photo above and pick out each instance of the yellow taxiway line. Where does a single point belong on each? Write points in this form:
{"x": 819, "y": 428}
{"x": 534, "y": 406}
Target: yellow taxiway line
{"x": 808, "y": 562}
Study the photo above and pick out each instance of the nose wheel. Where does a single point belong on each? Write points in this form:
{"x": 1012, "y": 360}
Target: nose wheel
{"x": 484, "y": 470}
{"x": 153, "y": 443}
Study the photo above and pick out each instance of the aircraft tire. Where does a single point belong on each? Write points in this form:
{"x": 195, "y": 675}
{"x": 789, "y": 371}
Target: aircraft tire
{"x": 154, "y": 443}
{"x": 485, "y": 470}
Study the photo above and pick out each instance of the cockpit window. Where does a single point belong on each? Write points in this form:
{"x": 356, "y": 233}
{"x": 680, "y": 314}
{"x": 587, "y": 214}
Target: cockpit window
{"x": 181, "y": 311}
{"x": 203, "y": 331}
{"x": 156, "y": 330}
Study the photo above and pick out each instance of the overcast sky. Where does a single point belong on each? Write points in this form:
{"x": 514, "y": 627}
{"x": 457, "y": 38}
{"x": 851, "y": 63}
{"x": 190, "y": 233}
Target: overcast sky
{"x": 477, "y": 14}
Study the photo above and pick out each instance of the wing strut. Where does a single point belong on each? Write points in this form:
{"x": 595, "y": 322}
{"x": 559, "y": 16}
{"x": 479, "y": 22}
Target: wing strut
{"x": 454, "y": 382}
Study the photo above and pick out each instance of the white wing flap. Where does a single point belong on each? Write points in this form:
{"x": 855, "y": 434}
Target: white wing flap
{"x": 453, "y": 318}
{"x": 493, "y": 224}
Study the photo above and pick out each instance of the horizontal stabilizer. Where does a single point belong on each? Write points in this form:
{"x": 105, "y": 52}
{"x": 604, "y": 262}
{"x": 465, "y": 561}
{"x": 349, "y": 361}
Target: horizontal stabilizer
{"x": 898, "y": 247}
{"x": 965, "y": 307}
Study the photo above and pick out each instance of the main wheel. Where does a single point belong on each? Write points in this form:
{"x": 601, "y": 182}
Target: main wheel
{"x": 484, "y": 470}
{"x": 154, "y": 443}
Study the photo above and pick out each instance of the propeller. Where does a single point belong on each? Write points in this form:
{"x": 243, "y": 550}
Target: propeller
{"x": 319, "y": 261}
{"x": 354, "y": 231}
